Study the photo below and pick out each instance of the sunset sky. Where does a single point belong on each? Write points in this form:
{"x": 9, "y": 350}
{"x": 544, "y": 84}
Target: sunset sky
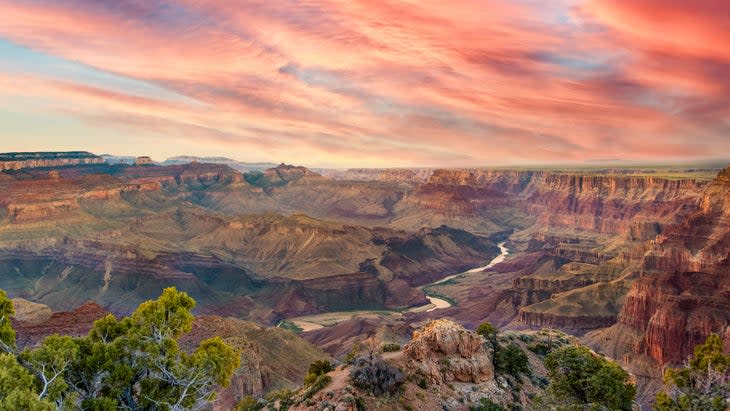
{"x": 363, "y": 83}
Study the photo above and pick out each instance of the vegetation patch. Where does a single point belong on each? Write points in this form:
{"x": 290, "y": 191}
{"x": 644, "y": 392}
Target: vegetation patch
{"x": 373, "y": 374}
{"x": 288, "y": 325}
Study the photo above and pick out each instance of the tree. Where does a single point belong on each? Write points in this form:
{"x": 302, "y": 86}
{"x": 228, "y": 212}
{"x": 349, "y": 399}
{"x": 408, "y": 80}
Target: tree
{"x": 704, "y": 384}
{"x": 512, "y": 360}
{"x": 7, "y": 334}
{"x": 489, "y": 332}
{"x": 581, "y": 379}
{"x": 134, "y": 363}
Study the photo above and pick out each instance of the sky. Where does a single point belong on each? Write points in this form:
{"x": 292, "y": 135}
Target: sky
{"x": 369, "y": 83}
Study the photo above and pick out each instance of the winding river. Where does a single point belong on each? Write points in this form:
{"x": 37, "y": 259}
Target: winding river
{"x": 317, "y": 321}
{"x": 440, "y": 303}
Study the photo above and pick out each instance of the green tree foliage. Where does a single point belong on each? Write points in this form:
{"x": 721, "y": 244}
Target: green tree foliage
{"x": 580, "y": 379}
{"x": 18, "y": 387}
{"x": 134, "y": 363}
{"x": 317, "y": 369}
{"x": 513, "y": 361}
{"x": 7, "y": 334}
{"x": 703, "y": 385}
{"x": 489, "y": 332}
{"x": 320, "y": 367}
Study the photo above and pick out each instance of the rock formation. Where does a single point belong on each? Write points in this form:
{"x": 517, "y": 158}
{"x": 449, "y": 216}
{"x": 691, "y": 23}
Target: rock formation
{"x": 443, "y": 351}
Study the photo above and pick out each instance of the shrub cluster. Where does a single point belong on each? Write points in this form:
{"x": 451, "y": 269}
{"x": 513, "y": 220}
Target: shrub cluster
{"x": 512, "y": 360}
{"x": 371, "y": 373}
{"x": 317, "y": 369}
{"x": 581, "y": 379}
{"x": 390, "y": 347}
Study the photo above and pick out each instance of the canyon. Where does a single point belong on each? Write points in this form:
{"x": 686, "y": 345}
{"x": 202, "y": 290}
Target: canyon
{"x": 632, "y": 261}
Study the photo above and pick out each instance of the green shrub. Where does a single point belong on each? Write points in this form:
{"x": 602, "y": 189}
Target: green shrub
{"x": 390, "y": 347}
{"x": 249, "y": 403}
{"x": 360, "y": 404}
{"x": 134, "y": 362}
{"x": 310, "y": 378}
{"x": 354, "y": 353}
{"x": 512, "y": 360}
{"x": 539, "y": 348}
{"x": 320, "y": 367}
{"x": 582, "y": 379}
{"x": 485, "y": 404}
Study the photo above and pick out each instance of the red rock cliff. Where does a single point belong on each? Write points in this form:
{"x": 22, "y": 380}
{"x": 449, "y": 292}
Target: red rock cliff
{"x": 684, "y": 292}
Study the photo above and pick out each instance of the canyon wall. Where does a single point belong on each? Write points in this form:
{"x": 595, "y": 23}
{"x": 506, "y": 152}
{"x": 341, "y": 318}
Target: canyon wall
{"x": 635, "y": 206}
{"x": 683, "y": 293}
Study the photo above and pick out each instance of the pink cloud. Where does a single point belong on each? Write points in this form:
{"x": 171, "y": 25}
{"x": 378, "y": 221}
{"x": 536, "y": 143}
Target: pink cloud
{"x": 463, "y": 82}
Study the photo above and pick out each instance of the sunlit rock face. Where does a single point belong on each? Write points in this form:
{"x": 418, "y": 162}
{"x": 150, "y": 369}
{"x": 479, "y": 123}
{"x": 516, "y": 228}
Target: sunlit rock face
{"x": 683, "y": 294}
{"x": 443, "y": 351}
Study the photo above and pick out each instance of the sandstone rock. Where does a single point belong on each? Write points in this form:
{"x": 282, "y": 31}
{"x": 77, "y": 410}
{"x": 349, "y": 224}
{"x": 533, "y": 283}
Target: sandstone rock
{"x": 443, "y": 351}
{"x": 29, "y": 312}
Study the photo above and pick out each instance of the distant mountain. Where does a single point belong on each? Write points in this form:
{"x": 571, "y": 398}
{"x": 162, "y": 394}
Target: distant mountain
{"x": 234, "y": 164}
{"x": 18, "y": 161}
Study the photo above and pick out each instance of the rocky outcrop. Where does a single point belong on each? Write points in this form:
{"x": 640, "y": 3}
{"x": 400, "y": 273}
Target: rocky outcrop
{"x": 29, "y": 312}
{"x": 19, "y": 161}
{"x": 443, "y": 351}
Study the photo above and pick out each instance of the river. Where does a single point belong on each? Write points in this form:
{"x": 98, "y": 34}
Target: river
{"x": 440, "y": 303}
{"x": 317, "y": 321}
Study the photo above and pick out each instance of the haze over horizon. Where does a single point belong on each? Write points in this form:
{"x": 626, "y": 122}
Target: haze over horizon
{"x": 325, "y": 83}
